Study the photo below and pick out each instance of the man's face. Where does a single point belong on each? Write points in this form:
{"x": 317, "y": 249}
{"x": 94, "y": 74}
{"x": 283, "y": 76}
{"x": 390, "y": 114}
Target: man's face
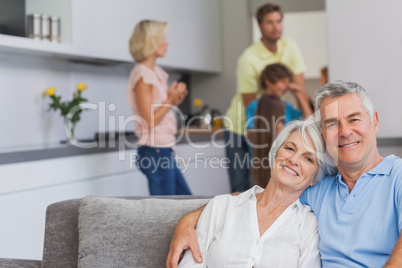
{"x": 348, "y": 131}
{"x": 271, "y": 26}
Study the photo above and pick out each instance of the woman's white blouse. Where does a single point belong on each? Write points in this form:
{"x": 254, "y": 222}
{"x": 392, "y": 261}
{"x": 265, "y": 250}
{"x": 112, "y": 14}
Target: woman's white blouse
{"x": 228, "y": 235}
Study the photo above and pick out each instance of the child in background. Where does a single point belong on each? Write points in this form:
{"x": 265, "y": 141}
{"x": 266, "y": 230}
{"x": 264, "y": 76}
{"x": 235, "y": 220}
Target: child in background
{"x": 266, "y": 116}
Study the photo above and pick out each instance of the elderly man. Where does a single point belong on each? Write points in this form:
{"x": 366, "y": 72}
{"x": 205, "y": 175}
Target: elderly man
{"x": 359, "y": 210}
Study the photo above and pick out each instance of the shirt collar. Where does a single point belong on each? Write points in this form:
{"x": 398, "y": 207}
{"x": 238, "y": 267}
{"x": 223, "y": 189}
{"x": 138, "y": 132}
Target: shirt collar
{"x": 265, "y": 53}
{"x": 158, "y": 71}
{"x": 383, "y": 168}
{"x": 161, "y": 73}
{"x": 250, "y": 193}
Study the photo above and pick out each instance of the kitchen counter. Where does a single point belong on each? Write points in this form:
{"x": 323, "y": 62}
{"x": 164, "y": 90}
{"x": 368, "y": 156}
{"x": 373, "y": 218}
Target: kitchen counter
{"x": 185, "y": 136}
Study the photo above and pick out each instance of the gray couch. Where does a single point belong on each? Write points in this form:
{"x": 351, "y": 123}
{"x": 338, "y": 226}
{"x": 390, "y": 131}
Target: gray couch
{"x": 110, "y": 232}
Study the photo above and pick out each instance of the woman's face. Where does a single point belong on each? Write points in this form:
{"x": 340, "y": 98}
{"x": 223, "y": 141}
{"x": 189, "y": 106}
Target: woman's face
{"x": 296, "y": 163}
{"x": 162, "y": 47}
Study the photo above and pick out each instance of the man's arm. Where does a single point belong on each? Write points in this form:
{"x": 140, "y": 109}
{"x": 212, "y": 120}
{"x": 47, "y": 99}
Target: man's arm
{"x": 395, "y": 259}
{"x": 247, "y": 80}
{"x": 185, "y": 237}
{"x": 299, "y": 80}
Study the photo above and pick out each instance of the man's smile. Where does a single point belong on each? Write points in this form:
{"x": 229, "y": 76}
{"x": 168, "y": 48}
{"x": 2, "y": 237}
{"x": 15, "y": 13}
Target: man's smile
{"x": 348, "y": 144}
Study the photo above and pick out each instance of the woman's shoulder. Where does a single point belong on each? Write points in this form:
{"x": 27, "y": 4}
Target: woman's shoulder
{"x": 236, "y": 198}
{"x": 221, "y": 200}
{"x": 307, "y": 216}
{"x": 226, "y": 201}
{"x": 308, "y": 226}
{"x": 148, "y": 75}
{"x": 142, "y": 70}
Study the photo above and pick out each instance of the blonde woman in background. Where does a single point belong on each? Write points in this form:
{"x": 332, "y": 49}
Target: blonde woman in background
{"x": 151, "y": 99}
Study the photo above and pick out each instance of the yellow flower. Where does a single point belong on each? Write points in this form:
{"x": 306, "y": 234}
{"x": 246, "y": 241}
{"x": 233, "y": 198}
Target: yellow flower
{"x": 198, "y": 102}
{"x": 75, "y": 95}
{"x": 81, "y": 86}
{"x": 50, "y": 91}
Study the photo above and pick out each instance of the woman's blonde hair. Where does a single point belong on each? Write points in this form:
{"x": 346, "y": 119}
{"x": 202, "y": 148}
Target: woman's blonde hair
{"x": 145, "y": 38}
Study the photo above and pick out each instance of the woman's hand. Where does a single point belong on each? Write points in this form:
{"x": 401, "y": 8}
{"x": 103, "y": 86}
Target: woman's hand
{"x": 177, "y": 93}
{"x": 143, "y": 94}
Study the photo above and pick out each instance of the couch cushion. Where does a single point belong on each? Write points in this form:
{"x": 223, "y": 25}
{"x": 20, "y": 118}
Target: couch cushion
{"x": 128, "y": 233}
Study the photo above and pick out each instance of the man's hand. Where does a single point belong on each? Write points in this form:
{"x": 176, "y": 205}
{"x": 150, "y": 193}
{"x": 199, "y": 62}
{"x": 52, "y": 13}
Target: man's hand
{"x": 184, "y": 237}
{"x": 295, "y": 88}
{"x": 302, "y": 98}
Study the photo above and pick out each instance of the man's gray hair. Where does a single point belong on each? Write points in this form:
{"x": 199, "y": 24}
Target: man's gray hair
{"x": 340, "y": 88}
{"x": 326, "y": 165}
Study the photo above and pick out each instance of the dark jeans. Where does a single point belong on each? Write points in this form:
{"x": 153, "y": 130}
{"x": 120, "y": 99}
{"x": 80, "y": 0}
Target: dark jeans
{"x": 160, "y": 167}
{"x": 237, "y": 152}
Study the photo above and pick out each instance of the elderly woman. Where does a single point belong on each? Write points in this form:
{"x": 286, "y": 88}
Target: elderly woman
{"x": 152, "y": 101}
{"x": 268, "y": 228}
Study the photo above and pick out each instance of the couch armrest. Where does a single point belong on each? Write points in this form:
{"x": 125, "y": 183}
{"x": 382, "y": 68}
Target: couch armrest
{"x": 18, "y": 263}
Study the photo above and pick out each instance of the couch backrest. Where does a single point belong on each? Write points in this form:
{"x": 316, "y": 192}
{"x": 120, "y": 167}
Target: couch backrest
{"x": 61, "y": 231}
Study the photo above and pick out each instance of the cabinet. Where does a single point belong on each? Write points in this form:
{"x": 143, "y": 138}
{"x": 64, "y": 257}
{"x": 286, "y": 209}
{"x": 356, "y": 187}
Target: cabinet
{"x": 60, "y": 8}
{"x": 95, "y": 30}
{"x": 204, "y": 167}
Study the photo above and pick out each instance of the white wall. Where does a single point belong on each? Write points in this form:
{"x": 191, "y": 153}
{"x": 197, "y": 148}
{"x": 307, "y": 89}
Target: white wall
{"x": 193, "y": 35}
{"x": 25, "y": 118}
{"x": 218, "y": 90}
{"x": 365, "y": 47}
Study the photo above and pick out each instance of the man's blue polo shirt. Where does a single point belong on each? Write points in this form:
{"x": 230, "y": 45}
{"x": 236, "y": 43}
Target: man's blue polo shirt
{"x": 359, "y": 229}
